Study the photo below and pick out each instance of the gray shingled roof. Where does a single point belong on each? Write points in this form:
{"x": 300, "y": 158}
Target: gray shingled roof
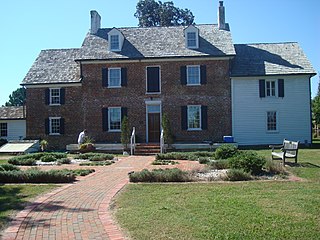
{"x": 159, "y": 42}
{"x": 9, "y": 113}
{"x": 270, "y": 59}
{"x": 54, "y": 66}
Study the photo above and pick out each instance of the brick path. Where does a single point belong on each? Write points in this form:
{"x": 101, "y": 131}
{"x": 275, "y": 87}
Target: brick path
{"x": 77, "y": 211}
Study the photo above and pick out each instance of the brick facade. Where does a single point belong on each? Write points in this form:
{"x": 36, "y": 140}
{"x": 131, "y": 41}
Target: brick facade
{"x": 83, "y": 105}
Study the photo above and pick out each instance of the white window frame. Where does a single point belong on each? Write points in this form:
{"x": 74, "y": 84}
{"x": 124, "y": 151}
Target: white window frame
{"x": 195, "y": 39}
{"x": 109, "y": 119}
{"x": 4, "y": 129}
{"x": 115, "y": 36}
{"x": 109, "y": 78}
{"x": 51, "y": 125}
{"x": 188, "y": 76}
{"x": 200, "y": 118}
{"x": 276, "y": 122}
{"x": 271, "y": 94}
{"x": 52, "y": 103}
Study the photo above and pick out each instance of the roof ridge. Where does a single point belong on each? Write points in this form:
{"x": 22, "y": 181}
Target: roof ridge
{"x": 266, "y": 43}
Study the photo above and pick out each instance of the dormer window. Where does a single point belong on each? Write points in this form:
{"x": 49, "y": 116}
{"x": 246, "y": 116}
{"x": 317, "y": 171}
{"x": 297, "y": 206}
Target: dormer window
{"x": 115, "y": 39}
{"x": 192, "y": 37}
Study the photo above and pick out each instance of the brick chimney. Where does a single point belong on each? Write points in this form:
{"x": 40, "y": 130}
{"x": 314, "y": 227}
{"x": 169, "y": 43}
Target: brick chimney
{"x": 95, "y": 22}
{"x": 221, "y": 17}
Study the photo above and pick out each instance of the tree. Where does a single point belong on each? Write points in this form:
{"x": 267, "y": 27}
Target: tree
{"x": 316, "y": 106}
{"x": 125, "y": 132}
{"x": 17, "y": 98}
{"x": 153, "y": 13}
{"x": 167, "y": 133}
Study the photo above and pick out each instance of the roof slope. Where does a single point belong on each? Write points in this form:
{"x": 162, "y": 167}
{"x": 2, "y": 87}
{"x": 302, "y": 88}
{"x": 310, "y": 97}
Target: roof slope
{"x": 10, "y": 113}
{"x": 270, "y": 59}
{"x": 54, "y": 66}
{"x": 159, "y": 42}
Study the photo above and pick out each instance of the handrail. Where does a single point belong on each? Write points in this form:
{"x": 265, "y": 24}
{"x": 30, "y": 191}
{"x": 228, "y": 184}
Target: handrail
{"x": 161, "y": 142}
{"x": 133, "y": 141}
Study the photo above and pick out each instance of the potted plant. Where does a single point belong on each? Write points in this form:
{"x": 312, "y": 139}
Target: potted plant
{"x": 87, "y": 145}
{"x": 43, "y": 144}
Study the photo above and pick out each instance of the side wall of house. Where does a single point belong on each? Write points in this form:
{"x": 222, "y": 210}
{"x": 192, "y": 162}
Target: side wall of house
{"x": 16, "y": 129}
{"x": 250, "y": 111}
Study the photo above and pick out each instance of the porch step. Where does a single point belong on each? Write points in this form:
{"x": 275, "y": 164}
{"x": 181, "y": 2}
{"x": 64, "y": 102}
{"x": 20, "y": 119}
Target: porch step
{"x": 147, "y": 149}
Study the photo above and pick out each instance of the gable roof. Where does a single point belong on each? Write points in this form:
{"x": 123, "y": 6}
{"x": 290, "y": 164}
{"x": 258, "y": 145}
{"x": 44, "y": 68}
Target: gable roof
{"x": 54, "y": 66}
{"x": 11, "y": 113}
{"x": 270, "y": 59}
{"x": 159, "y": 42}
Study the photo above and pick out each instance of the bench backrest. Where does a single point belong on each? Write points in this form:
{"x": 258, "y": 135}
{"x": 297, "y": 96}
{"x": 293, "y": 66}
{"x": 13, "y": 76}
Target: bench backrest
{"x": 291, "y": 145}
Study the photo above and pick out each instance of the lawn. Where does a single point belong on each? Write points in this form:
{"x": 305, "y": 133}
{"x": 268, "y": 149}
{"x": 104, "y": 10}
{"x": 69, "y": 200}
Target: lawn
{"x": 14, "y": 197}
{"x": 242, "y": 210}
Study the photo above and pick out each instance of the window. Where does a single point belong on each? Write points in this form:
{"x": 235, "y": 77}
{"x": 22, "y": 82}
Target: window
{"x": 270, "y": 88}
{"x": 114, "y": 43}
{"x": 3, "y": 129}
{"x": 54, "y": 96}
{"x": 114, "y": 77}
{"x": 193, "y": 75}
{"x": 114, "y": 119}
{"x": 191, "y": 39}
{"x": 54, "y": 126}
{"x": 153, "y": 80}
{"x": 194, "y": 117}
{"x": 272, "y": 121}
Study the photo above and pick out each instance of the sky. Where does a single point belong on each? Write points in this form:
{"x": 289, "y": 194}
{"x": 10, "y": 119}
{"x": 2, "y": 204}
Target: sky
{"x": 27, "y": 27}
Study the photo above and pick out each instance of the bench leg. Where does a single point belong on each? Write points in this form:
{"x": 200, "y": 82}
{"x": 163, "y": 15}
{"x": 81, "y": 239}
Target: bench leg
{"x": 284, "y": 160}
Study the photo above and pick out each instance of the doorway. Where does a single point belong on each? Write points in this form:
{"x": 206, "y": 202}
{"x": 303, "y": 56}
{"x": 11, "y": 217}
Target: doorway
{"x": 153, "y": 123}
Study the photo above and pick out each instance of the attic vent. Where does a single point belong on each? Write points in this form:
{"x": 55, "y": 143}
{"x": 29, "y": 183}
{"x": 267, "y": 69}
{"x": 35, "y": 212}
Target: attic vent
{"x": 191, "y": 35}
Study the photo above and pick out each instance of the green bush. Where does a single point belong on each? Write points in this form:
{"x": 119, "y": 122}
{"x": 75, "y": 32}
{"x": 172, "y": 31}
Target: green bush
{"x": 164, "y": 162}
{"x": 64, "y": 161}
{"x": 203, "y": 160}
{"x": 103, "y": 163}
{"x": 34, "y": 175}
{"x": 226, "y": 151}
{"x": 83, "y": 172}
{"x": 249, "y": 161}
{"x": 160, "y": 175}
{"x": 22, "y": 160}
{"x": 8, "y": 167}
{"x": 274, "y": 167}
{"x": 219, "y": 164}
{"x": 193, "y": 156}
{"x": 30, "y": 159}
{"x": 238, "y": 175}
{"x": 48, "y": 158}
{"x": 95, "y": 156}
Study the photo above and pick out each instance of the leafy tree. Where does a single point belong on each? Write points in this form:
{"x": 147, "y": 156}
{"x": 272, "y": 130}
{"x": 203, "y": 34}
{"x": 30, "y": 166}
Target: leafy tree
{"x": 125, "y": 132}
{"x": 153, "y": 13}
{"x": 167, "y": 133}
{"x": 17, "y": 98}
{"x": 316, "y": 106}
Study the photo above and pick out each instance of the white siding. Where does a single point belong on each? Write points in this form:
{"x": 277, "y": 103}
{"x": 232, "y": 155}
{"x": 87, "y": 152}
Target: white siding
{"x": 16, "y": 129}
{"x": 249, "y": 111}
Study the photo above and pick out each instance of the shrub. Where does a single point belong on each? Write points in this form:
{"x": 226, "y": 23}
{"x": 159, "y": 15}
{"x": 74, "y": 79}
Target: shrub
{"x": 95, "y": 156}
{"x": 34, "y": 175}
{"x": 160, "y": 175}
{"x": 48, "y": 158}
{"x": 83, "y": 172}
{"x": 249, "y": 161}
{"x": 238, "y": 175}
{"x": 8, "y": 167}
{"x": 219, "y": 164}
{"x": 103, "y": 163}
{"x": 22, "y": 160}
{"x": 164, "y": 162}
{"x": 64, "y": 161}
{"x": 193, "y": 156}
{"x": 3, "y": 141}
{"x": 226, "y": 151}
{"x": 203, "y": 160}
{"x": 274, "y": 167}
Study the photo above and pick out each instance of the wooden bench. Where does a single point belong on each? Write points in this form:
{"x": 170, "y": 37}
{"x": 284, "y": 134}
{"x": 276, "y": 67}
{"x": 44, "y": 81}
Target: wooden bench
{"x": 289, "y": 149}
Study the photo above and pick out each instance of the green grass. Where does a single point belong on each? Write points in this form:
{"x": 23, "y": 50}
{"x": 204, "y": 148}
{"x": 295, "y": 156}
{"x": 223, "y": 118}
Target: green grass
{"x": 242, "y": 210}
{"x": 15, "y": 197}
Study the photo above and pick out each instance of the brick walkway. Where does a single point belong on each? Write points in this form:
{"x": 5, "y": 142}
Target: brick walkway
{"x": 77, "y": 211}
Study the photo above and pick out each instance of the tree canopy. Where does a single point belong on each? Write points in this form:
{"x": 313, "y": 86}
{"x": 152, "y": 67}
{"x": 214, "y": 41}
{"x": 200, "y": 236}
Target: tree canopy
{"x": 17, "y": 98}
{"x": 316, "y": 106}
{"x": 153, "y": 13}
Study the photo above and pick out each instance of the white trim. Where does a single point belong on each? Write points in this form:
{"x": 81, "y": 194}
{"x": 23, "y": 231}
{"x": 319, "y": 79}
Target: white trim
{"x": 200, "y": 118}
{"x": 158, "y": 66}
{"x": 277, "y": 122}
{"x": 52, "y": 85}
{"x": 275, "y": 88}
{"x": 109, "y": 120}
{"x": 194, "y": 84}
{"x": 154, "y": 103}
{"x": 50, "y": 125}
{"x": 115, "y": 32}
{"x": 114, "y": 68}
{"x": 50, "y": 97}
{"x": 191, "y": 29}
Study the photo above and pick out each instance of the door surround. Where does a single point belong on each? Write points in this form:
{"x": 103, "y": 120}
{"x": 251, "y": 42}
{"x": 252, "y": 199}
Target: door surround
{"x": 151, "y": 107}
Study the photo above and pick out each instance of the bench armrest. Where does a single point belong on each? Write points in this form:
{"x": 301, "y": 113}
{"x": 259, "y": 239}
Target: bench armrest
{"x": 275, "y": 146}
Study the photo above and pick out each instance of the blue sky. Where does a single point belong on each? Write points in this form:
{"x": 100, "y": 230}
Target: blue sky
{"x": 27, "y": 27}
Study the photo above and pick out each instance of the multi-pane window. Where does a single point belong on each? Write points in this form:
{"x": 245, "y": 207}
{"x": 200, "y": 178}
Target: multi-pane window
{"x": 114, "y": 77}
{"x": 270, "y": 88}
{"x": 114, "y": 42}
{"x": 192, "y": 39}
{"x": 54, "y": 125}
{"x": 114, "y": 119}
{"x": 3, "y": 129}
{"x": 54, "y": 96}
{"x": 193, "y": 75}
{"x": 272, "y": 121}
{"x": 194, "y": 117}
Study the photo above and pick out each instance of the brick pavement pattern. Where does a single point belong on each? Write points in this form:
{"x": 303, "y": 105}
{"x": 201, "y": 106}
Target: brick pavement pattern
{"x": 77, "y": 211}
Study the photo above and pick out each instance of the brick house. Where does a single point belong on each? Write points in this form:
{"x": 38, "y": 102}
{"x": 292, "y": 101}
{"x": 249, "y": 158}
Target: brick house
{"x": 189, "y": 73}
